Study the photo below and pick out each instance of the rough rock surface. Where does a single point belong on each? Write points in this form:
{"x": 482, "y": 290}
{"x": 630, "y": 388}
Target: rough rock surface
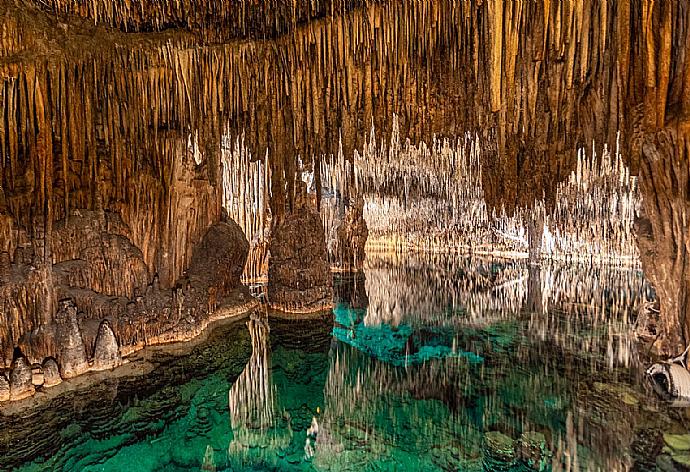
{"x": 37, "y": 376}
{"x": 20, "y": 379}
{"x": 218, "y": 260}
{"x": 70, "y": 344}
{"x": 299, "y": 276}
{"x": 4, "y": 388}
{"x": 106, "y": 352}
{"x": 352, "y": 233}
{"x": 51, "y": 373}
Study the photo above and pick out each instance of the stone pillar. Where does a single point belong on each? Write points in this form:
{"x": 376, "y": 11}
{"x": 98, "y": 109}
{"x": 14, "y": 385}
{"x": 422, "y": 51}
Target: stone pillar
{"x": 299, "y": 275}
{"x": 663, "y": 233}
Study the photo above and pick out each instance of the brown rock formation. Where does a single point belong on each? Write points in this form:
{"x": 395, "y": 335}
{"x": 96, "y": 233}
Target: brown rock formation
{"x": 663, "y": 233}
{"x": 106, "y": 351}
{"x": 51, "y": 373}
{"x": 101, "y": 120}
{"x": 37, "y": 375}
{"x": 20, "y": 379}
{"x": 69, "y": 341}
{"x": 219, "y": 259}
{"x": 299, "y": 277}
{"x": 4, "y": 388}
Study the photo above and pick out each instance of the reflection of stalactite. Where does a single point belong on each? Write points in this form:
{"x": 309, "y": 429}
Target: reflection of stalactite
{"x": 564, "y": 304}
{"x": 253, "y": 404}
{"x": 432, "y": 198}
{"x": 251, "y": 398}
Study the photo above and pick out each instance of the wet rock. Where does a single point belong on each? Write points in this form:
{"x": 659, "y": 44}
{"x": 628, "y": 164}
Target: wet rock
{"x": 37, "y": 376}
{"x": 51, "y": 373}
{"x": 664, "y": 463}
{"x": 677, "y": 448}
{"x": 677, "y": 442}
{"x": 218, "y": 260}
{"x": 532, "y": 450}
{"x": 20, "y": 380}
{"x": 4, "y": 388}
{"x": 5, "y": 266}
{"x": 106, "y": 353}
{"x": 71, "y": 349}
{"x": 498, "y": 451}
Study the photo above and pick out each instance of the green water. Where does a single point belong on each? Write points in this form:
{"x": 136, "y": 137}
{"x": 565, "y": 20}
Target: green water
{"x": 521, "y": 391}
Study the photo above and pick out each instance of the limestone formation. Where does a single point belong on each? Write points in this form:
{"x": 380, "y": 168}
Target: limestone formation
{"x": 95, "y": 121}
{"x": 37, "y": 375}
{"x": 219, "y": 259}
{"x": 20, "y": 379}
{"x": 106, "y": 352}
{"x": 51, "y": 373}
{"x": 71, "y": 350}
{"x": 299, "y": 277}
{"x": 4, "y": 388}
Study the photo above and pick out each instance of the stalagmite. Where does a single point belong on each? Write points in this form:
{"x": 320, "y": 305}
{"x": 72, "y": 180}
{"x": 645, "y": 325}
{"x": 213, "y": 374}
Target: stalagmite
{"x": 37, "y": 375}
{"x": 20, "y": 379}
{"x": 68, "y": 337}
{"x": 4, "y": 388}
{"x": 106, "y": 351}
{"x": 51, "y": 373}
{"x": 299, "y": 277}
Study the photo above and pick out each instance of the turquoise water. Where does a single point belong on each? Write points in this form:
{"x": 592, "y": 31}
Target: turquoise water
{"x": 461, "y": 376}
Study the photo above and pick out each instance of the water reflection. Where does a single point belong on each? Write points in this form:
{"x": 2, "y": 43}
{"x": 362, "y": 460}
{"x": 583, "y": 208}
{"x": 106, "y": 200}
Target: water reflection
{"x": 581, "y": 308}
{"x": 252, "y": 397}
{"x": 552, "y": 383}
{"x": 430, "y": 364}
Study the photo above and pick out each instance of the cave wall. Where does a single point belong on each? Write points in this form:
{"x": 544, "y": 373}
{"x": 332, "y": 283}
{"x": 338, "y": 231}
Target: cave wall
{"x": 90, "y": 115}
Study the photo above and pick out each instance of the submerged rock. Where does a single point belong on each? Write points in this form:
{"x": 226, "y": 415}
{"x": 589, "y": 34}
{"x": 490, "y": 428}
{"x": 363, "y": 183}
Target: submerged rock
{"x": 71, "y": 350}
{"x": 533, "y": 451}
{"x": 4, "y": 388}
{"x": 106, "y": 353}
{"x": 20, "y": 380}
{"x": 678, "y": 449}
{"x": 51, "y": 373}
{"x": 499, "y": 452}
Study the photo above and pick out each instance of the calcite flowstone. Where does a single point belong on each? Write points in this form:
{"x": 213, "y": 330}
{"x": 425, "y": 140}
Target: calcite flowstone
{"x": 106, "y": 353}
{"x": 71, "y": 350}
{"x": 20, "y": 379}
{"x": 4, "y": 388}
{"x": 51, "y": 373}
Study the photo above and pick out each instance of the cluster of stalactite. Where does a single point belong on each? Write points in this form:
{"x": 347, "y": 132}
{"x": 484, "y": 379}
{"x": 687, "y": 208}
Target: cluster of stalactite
{"x": 595, "y": 211}
{"x": 566, "y": 305}
{"x": 91, "y": 116}
{"x": 424, "y": 61}
{"x": 246, "y": 187}
{"x": 223, "y": 20}
{"x": 432, "y": 198}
